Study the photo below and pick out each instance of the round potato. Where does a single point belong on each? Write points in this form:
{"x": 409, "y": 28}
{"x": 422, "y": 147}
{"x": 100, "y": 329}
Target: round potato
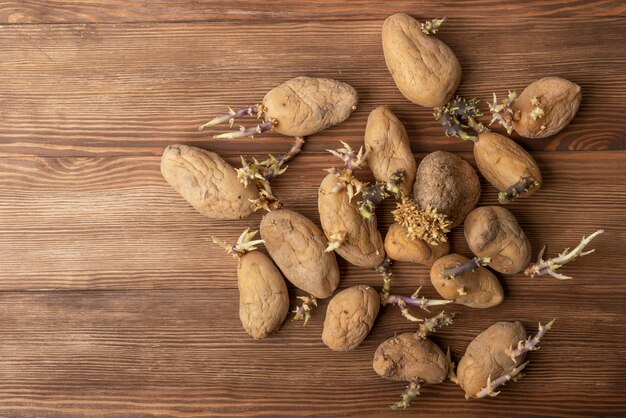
{"x": 399, "y": 247}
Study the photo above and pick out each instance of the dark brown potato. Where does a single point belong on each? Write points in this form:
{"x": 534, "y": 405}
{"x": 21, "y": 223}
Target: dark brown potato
{"x": 349, "y": 318}
{"x": 401, "y": 248}
{"x": 493, "y": 231}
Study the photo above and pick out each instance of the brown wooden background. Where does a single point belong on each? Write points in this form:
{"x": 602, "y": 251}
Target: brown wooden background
{"x": 113, "y": 300}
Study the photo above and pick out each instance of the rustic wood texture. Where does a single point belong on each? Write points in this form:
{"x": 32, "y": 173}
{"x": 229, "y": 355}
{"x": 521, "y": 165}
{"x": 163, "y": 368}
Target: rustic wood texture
{"x": 113, "y": 300}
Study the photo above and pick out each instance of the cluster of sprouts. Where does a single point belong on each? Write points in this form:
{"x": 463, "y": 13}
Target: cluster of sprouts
{"x": 255, "y": 111}
{"x": 458, "y": 116}
{"x": 245, "y": 243}
{"x": 426, "y": 224}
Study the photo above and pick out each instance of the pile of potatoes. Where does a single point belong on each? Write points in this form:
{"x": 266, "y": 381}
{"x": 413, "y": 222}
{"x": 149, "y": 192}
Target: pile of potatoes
{"x": 439, "y": 193}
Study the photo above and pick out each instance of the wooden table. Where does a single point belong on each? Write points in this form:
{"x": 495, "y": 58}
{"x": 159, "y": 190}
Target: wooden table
{"x": 114, "y": 301}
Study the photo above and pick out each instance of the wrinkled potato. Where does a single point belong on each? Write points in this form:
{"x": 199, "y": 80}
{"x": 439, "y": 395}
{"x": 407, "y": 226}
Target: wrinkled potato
{"x": 557, "y": 100}
{"x": 207, "y": 182}
{"x": 424, "y": 68}
{"x": 297, "y": 246}
{"x": 263, "y": 296}
{"x": 493, "y": 231}
{"x": 362, "y": 244}
{"x": 389, "y": 149}
{"x": 486, "y": 356}
{"x": 448, "y": 183}
{"x": 476, "y": 289}
{"x": 408, "y": 358}
{"x": 349, "y": 317}
{"x": 399, "y": 247}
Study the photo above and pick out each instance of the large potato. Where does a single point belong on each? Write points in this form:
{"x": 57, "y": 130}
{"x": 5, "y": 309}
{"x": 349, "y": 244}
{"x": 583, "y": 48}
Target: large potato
{"x": 263, "y": 296}
{"x": 448, "y": 183}
{"x": 363, "y": 245}
{"x": 399, "y": 247}
{"x": 486, "y": 356}
{"x": 493, "y": 231}
{"x": 207, "y": 182}
{"x": 424, "y": 68}
{"x": 389, "y": 148}
{"x": 297, "y": 246}
{"x": 305, "y": 105}
{"x": 349, "y": 317}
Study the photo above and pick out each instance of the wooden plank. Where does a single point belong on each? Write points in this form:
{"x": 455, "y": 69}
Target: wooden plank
{"x": 105, "y": 90}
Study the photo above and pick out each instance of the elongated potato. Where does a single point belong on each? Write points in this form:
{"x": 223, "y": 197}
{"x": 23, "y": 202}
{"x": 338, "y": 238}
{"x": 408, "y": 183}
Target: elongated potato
{"x": 399, "y": 247}
{"x": 349, "y": 317}
{"x": 297, "y": 246}
{"x": 207, "y": 182}
{"x": 389, "y": 148}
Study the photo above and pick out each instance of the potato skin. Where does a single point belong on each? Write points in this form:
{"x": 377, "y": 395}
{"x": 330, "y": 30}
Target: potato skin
{"x": 424, "y": 68}
{"x": 503, "y": 162}
{"x": 306, "y": 105}
{"x": 401, "y": 248}
{"x": 407, "y": 358}
{"x": 349, "y": 317}
{"x": 448, "y": 183}
{"x": 389, "y": 147}
{"x": 482, "y": 287}
{"x": 559, "y": 98}
{"x": 486, "y": 356}
{"x": 263, "y": 296}
{"x": 493, "y": 231}
{"x": 297, "y": 246}
{"x": 207, "y": 182}
{"x": 363, "y": 245}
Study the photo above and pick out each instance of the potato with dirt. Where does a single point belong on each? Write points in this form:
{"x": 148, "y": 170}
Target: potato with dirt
{"x": 349, "y": 317}
{"x": 424, "y": 68}
{"x": 493, "y": 231}
{"x": 399, "y": 247}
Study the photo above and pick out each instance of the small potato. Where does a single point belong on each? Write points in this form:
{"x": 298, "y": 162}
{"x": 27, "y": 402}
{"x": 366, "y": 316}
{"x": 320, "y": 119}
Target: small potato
{"x": 493, "y": 231}
{"x": 297, "y": 246}
{"x": 546, "y": 106}
{"x": 424, "y": 68}
{"x": 263, "y": 296}
{"x": 362, "y": 243}
{"x": 448, "y": 183}
{"x": 207, "y": 182}
{"x": 486, "y": 356}
{"x": 408, "y": 358}
{"x": 476, "y": 289}
{"x": 389, "y": 148}
{"x": 350, "y": 317}
{"x": 399, "y": 247}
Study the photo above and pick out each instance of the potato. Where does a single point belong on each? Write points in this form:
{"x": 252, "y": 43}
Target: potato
{"x": 305, "y": 105}
{"x": 424, "y": 68}
{"x": 408, "y": 358}
{"x": 448, "y": 183}
{"x": 297, "y": 246}
{"x": 263, "y": 296}
{"x": 476, "y": 289}
{"x": 207, "y": 182}
{"x": 363, "y": 244}
{"x": 557, "y": 100}
{"x": 389, "y": 149}
{"x": 486, "y": 356}
{"x": 349, "y": 317}
{"x": 493, "y": 231}
{"x": 399, "y": 247}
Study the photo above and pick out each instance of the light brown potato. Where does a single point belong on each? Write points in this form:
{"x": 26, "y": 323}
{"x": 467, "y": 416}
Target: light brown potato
{"x": 389, "y": 147}
{"x": 424, "y": 68}
{"x": 401, "y": 248}
{"x": 207, "y": 182}
{"x": 407, "y": 358}
{"x": 448, "y": 183}
{"x": 349, "y": 317}
{"x": 486, "y": 356}
{"x": 363, "y": 245}
{"x": 297, "y": 246}
{"x": 263, "y": 296}
{"x": 306, "y": 105}
{"x": 493, "y": 231}
{"x": 482, "y": 289}
{"x": 557, "y": 97}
